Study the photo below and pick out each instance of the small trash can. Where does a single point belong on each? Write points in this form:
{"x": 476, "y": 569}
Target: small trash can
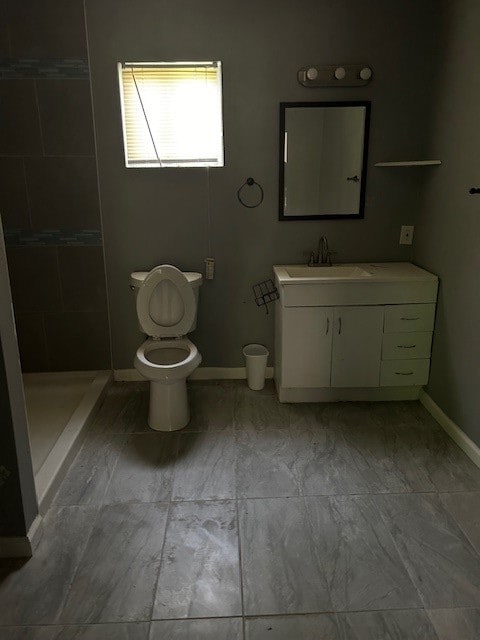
{"x": 256, "y": 356}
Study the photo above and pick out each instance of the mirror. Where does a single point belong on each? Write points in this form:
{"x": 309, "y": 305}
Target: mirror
{"x": 323, "y": 159}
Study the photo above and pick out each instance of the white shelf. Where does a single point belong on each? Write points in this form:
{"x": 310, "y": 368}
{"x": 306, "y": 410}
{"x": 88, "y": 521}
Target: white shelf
{"x": 409, "y": 163}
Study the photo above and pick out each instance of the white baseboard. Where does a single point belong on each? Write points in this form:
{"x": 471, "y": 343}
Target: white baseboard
{"x": 347, "y": 394}
{"x": 453, "y": 430}
{"x": 202, "y": 373}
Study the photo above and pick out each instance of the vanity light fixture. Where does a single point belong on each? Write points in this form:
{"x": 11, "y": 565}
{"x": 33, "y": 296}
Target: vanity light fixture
{"x": 366, "y": 73}
{"x": 347, "y": 75}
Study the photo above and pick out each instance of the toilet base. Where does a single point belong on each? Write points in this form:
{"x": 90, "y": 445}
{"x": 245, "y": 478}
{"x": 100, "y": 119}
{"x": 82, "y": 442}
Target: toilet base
{"x": 169, "y": 409}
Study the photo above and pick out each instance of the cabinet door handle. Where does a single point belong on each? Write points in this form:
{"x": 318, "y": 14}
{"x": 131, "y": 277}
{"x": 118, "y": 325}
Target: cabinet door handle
{"x": 404, "y": 373}
{"x": 409, "y": 318}
{"x": 328, "y": 326}
{"x": 339, "y": 326}
{"x": 406, "y": 346}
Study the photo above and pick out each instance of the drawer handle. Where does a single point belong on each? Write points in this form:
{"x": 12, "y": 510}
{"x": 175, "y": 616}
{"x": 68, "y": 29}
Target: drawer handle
{"x": 406, "y": 346}
{"x": 328, "y": 326}
{"x": 404, "y": 373}
{"x": 409, "y": 318}
{"x": 339, "y": 326}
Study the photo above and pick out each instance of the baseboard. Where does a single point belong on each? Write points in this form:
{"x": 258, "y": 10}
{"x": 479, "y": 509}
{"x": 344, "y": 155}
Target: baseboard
{"x": 347, "y": 394}
{"x": 35, "y": 532}
{"x": 21, "y": 546}
{"x": 202, "y": 373}
{"x": 460, "y": 437}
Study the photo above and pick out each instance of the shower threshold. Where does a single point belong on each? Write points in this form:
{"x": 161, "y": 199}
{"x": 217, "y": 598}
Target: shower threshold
{"x": 60, "y": 406}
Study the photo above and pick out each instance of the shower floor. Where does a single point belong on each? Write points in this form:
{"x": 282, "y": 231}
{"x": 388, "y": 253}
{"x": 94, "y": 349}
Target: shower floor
{"x": 51, "y": 400}
{"x": 59, "y": 406}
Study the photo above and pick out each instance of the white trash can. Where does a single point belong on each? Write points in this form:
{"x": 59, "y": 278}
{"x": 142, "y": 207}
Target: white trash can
{"x": 256, "y": 356}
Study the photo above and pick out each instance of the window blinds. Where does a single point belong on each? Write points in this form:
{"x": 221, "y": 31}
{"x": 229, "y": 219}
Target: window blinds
{"x": 172, "y": 114}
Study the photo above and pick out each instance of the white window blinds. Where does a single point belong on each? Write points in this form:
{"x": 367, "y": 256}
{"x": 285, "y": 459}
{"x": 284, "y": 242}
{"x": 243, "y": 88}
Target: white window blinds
{"x": 172, "y": 114}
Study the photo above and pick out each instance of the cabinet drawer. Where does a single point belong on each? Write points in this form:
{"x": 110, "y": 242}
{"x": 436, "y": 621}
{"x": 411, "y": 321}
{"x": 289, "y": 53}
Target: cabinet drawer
{"x": 404, "y": 373}
{"x": 406, "y": 346}
{"x": 409, "y": 318}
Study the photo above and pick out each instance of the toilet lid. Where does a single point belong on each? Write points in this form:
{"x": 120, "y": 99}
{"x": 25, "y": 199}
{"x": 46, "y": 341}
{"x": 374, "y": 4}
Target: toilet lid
{"x": 171, "y": 312}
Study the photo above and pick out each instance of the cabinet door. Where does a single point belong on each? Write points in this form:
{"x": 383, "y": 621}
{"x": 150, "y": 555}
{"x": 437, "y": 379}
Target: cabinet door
{"x": 306, "y": 346}
{"x": 357, "y": 346}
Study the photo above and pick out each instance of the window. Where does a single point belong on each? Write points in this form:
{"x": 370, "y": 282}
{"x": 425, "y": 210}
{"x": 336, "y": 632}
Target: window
{"x": 172, "y": 113}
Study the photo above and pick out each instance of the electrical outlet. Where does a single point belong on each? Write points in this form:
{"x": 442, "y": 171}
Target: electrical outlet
{"x": 406, "y": 234}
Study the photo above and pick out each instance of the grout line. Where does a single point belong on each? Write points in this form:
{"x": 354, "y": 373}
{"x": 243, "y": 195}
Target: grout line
{"x": 249, "y": 617}
{"x": 46, "y": 155}
{"x": 27, "y": 193}
{"x": 42, "y": 138}
{"x": 160, "y": 562}
{"x": 240, "y": 565}
{"x": 99, "y": 191}
{"x": 60, "y": 288}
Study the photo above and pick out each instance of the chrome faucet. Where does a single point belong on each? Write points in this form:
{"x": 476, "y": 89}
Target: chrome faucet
{"x": 323, "y": 257}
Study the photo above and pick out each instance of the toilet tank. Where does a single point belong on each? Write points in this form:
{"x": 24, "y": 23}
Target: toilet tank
{"x": 195, "y": 280}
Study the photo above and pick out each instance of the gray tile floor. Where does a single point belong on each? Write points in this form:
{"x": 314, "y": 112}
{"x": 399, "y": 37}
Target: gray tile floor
{"x": 258, "y": 521}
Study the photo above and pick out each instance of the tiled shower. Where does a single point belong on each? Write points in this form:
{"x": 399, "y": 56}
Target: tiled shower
{"x": 49, "y": 204}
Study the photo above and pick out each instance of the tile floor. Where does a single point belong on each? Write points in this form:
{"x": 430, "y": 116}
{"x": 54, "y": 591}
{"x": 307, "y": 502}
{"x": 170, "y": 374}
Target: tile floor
{"x": 258, "y": 521}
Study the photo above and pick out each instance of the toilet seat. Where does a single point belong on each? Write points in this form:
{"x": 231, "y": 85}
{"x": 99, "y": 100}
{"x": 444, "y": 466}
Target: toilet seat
{"x": 150, "y": 321}
{"x": 169, "y": 372}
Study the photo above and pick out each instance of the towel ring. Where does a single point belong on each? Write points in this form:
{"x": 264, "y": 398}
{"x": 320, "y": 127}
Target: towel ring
{"x": 250, "y": 182}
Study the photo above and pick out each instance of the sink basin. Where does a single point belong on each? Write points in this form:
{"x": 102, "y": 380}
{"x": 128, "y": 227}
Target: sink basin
{"x": 337, "y": 271}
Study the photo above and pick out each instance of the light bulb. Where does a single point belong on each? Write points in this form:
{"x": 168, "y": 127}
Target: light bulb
{"x": 366, "y": 73}
{"x": 340, "y": 73}
{"x": 312, "y": 73}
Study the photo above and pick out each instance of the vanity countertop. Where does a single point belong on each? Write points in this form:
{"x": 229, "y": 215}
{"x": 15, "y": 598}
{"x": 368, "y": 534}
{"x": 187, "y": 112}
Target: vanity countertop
{"x": 365, "y": 272}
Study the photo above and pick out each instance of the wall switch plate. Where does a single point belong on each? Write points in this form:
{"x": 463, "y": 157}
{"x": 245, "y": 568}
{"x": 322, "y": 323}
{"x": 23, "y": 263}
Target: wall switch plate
{"x": 209, "y": 268}
{"x": 406, "y": 234}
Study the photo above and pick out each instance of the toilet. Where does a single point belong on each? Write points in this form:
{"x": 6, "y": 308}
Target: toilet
{"x": 167, "y": 301}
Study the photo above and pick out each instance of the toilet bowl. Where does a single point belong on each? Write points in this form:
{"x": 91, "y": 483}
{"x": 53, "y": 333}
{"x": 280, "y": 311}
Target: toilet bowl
{"x": 167, "y": 310}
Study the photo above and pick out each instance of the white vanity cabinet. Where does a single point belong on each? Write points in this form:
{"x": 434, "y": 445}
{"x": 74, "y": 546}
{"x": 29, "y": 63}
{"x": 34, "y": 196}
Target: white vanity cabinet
{"x": 357, "y": 346}
{"x": 358, "y": 337}
{"x": 308, "y": 352}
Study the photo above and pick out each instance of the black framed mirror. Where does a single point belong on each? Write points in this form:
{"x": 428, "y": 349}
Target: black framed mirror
{"x": 323, "y": 160}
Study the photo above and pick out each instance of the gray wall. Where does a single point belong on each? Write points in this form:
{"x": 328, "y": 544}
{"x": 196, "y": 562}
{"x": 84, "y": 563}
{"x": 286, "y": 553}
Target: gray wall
{"x": 154, "y": 216}
{"x": 448, "y": 229}
{"x": 48, "y": 181}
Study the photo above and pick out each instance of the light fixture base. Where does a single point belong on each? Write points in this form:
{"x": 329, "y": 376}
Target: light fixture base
{"x": 335, "y": 75}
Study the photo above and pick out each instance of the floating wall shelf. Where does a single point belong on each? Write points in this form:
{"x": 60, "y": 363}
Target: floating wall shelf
{"x": 409, "y": 163}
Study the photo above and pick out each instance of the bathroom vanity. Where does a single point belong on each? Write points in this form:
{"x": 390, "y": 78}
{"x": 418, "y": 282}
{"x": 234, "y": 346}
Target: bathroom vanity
{"x": 353, "y": 331}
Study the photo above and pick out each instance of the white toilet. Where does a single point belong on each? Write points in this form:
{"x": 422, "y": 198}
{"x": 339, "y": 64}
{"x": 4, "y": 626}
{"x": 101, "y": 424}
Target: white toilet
{"x": 167, "y": 301}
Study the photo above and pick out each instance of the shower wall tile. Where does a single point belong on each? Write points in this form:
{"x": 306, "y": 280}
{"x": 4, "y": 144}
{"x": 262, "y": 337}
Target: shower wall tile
{"x": 82, "y": 277}
{"x": 63, "y": 192}
{"x": 49, "y": 203}
{"x": 44, "y": 68}
{"x": 52, "y": 28}
{"x": 66, "y": 117}
{"x": 77, "y": 341}
{"x": 31, "y": 342}
{"x": 34, "y": 279}
{"x": 19, "y": 122}
{"x": 4, "y": 36}
{"x": 13, "y": 194}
